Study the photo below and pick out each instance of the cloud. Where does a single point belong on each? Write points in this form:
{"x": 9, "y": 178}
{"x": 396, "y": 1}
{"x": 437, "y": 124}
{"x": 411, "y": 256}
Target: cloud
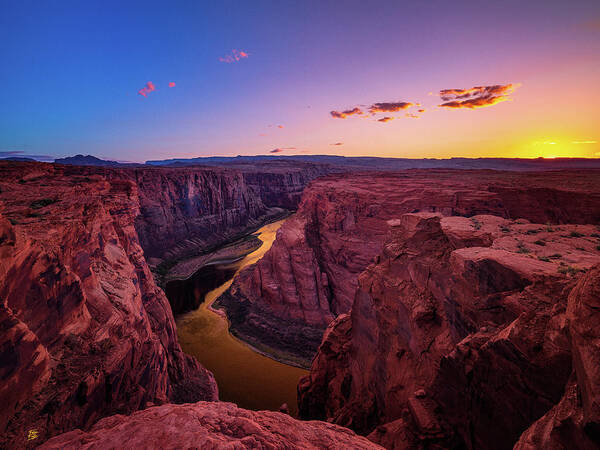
{"x": 476, "y": 97}
{"x": 279, "y": 150}
{"x": 584, "y": 142}
{"x": 338, "y": 143}
{"x": 389, "y": 107}
{"x": 172, "y": 84}
{"x": 412, "y": 116}
{"x": 147, "y": 89}
{"x": 385, "y": 119}
{"x": 234, "y": 56}
{"x": 421, "y": 110}
{"x": 279, "y": 126}
{"x": 23, "y": 154}
{"x": 346, "y": 113}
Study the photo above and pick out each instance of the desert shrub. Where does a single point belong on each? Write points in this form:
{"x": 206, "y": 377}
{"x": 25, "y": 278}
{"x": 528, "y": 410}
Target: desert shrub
{"x": 555, "y": 256}
{"x": 544, "y": 258}
{"x": 575, "y": 234}
{"x": 523, "y": 249}
{"x": 539, "y": 242}
{"x": 37, "y": 204}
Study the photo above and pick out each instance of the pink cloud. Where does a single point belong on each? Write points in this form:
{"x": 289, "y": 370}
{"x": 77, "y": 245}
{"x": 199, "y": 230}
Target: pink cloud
{"x": 346, "y": 113}
{"x": 172, "y": 84}
{"x": 147, "y": 89}
{"x": 338, "y": 143}
{"x": 385, "y": 119}
{"x": 234, "y": 56}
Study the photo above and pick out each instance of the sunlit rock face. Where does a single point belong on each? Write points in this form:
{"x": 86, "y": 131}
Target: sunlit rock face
{"x": 311, "y": 273}
{"x": 209, "y": 425}
{"x": 85, "y": 330}
{"x": 459, "y": 333}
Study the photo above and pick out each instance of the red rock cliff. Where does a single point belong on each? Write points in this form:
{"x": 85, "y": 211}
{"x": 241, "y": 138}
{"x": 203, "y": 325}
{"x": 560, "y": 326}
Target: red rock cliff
{"x": 310, "y": 275}
{"x": 464, "y": 331}
{"x": 85, "y": 331}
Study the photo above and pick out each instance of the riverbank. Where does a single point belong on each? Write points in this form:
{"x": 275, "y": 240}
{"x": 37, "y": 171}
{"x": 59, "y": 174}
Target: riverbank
{"x": 236, "y": 246}
{"x": 244, "y": 375}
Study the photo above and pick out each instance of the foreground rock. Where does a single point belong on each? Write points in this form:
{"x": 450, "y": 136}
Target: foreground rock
{"x": 84, "y": 330}
{"x": 208, "y": 426}
{"x": 283, "y": 304}
{"x": 463, "y": 334}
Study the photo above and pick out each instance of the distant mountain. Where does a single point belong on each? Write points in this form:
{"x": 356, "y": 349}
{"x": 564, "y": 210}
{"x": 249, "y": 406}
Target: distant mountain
{"x": 18, "y": 158}
{"x": 89, "y": 160}
{"x": 374, "y": 163}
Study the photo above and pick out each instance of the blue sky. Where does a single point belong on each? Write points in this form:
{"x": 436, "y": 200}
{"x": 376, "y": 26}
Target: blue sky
{"x": 71, "y": 72}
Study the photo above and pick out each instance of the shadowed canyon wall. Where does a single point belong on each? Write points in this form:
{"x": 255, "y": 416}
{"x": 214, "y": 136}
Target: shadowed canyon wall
{"x": 85, "y": 330}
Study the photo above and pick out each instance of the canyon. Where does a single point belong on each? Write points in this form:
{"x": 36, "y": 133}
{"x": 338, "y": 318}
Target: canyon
{"x": 434, "y": 308}
{"x": 86, "y": 330}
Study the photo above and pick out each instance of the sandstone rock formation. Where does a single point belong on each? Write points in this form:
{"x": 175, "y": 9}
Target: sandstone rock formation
{"x": 310, "y": 275}
{"x": 208, "y": 426}
{"x": 460, "y": 336}
{"x": 85, "y": 330}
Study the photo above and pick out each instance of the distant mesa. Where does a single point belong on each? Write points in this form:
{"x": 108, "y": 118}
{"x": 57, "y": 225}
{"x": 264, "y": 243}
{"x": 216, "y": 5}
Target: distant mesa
{"x": 18, "y": 158}
{"x": 89, "y": 160}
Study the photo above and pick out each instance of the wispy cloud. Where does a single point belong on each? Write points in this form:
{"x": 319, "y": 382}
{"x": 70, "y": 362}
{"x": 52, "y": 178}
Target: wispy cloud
{"x": 385, "y": 119}
{"x": 279, "y": 150}
{"x": 234, "y": 56}
{"x": 476, "y": 97}
{"x": 337, "y": 143}
{"x": 412, "y": 116}
{"x": 584, "y": 142}
{"x": 147, "y": 89}
{"x": 346, "y": 113}
{"x": 23, "y": 154}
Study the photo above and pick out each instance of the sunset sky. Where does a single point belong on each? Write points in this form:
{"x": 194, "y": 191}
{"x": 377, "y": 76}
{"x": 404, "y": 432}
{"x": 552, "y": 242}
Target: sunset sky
{"x": 154, "y": 80}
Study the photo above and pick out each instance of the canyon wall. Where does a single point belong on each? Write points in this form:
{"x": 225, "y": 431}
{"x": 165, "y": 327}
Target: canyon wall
{"x": 309, "y": 276}
{"x": 86, "y": 332}
{"x": 466, "y": 332}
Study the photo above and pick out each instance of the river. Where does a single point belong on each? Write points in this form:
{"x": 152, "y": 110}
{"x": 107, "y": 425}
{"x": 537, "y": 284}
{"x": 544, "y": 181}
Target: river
{"x": 245, "y": 377}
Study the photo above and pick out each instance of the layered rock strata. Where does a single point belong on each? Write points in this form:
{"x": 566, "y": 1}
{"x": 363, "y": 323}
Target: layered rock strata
{"x": 310, "y": 275}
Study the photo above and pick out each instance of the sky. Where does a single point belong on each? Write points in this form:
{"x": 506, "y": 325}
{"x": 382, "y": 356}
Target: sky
{"x": 134, "y": 81}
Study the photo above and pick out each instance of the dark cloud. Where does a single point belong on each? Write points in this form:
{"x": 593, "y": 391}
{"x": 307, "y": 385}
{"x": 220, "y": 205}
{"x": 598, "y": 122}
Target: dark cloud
{"x": 279, "y": 150}
{"x": 385, "y": 119}
{"x": 476, "y": 97}
{"x": 338, "y": 143}
{"x": 389, "y": 107}
{"x": 346, "y": 113}
{"x": 147, "y": 89}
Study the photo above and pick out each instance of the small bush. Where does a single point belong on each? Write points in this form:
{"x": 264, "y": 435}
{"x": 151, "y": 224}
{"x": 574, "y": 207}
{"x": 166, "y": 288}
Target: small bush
{"x": 523, "y": 249}
{"x": 37, "y": 204}
{"x": 505, "y": 229}
{"x": 568, "y": 270}
{"x": 544, "y": 258}
{"x": 533, "y": 231}
{"x": 555, "y": 256}
{"x": 539, "y": 242}
{"x": 598, "y": 247}
{"x": 575, "y": 234}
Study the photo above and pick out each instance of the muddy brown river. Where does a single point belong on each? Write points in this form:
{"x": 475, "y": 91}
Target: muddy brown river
{"x": 245, "y": 377}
